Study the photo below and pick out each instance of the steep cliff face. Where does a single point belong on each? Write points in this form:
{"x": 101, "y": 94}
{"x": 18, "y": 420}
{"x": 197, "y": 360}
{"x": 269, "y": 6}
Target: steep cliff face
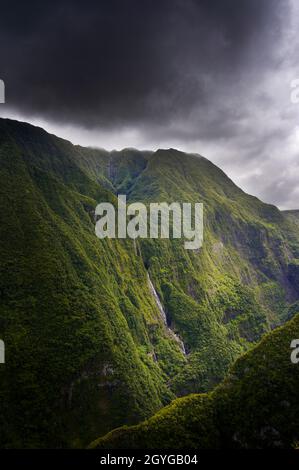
{"x": 255, "y": 407}
{"x": 87, "y": 347}
{"x": 224, "y": 296}
{"x": 77, "y": 317}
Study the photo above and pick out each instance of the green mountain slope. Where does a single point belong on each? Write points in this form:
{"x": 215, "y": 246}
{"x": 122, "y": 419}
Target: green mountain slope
{"x": 77, "y": 316}
{"x": 243, "y": 281}
{"x": 255, "y": 407}
{"x": 87, "y": 349}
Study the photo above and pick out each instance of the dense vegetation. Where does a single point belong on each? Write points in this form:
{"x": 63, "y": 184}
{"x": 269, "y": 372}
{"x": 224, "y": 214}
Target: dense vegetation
{"x": 86, "y": 347}
{"x": 255, "y": 407}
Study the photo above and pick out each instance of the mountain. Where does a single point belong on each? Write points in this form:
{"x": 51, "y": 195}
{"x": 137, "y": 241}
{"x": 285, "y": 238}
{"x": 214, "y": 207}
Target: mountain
{"x": 83, "y": 319}
{"x": 255, "y": 407}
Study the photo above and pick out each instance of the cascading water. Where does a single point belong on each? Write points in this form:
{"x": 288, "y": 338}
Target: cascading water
{"x": 163, "y": 315}
{"x": 158, "y": 302}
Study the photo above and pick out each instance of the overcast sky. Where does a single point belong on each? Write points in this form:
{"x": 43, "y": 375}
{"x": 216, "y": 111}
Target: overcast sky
{"x": 205, "y": 76}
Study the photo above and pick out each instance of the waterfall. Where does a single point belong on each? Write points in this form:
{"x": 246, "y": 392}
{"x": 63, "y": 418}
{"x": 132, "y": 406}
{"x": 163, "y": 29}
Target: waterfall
{"x": 158, "y": 302}
{"x": 163, "y": 315}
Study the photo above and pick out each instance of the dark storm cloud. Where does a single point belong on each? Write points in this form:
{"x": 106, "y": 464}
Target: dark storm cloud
{"x": 205, "y": 76}
{"x": 132, "y": 62}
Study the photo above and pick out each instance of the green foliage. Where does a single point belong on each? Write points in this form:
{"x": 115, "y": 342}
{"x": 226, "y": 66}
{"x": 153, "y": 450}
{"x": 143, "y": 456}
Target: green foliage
{"x": 87, "y": 349}
{"x": 75, "y": 310}
{"x": 255, "y": 407}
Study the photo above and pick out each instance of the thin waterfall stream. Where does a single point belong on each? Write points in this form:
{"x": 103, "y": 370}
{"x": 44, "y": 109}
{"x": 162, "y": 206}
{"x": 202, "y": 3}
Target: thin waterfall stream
{"x": 164, "y": 317}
